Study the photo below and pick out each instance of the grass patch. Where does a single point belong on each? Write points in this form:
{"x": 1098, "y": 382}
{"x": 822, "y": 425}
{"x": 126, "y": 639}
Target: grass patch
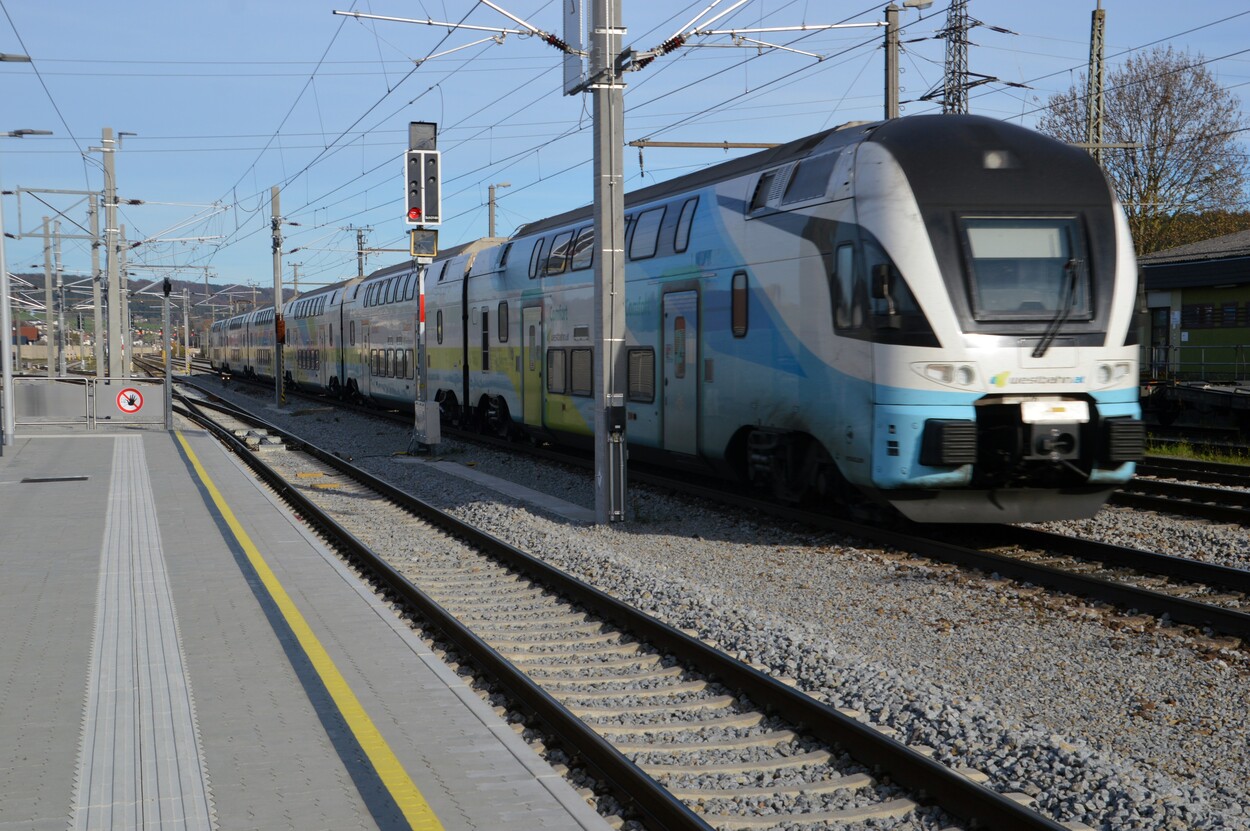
{"x": 1198, "y": 452}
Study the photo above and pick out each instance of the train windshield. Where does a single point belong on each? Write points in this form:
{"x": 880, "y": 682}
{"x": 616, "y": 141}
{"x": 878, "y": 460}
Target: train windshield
{"x": 1027, "y": 268}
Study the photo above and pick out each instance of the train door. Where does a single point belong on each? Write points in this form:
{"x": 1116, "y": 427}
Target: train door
{"x": 325, "y": 347}
{"x": 532, "y": 365}
{"x": 366, "y": 361}
{"x": 681, "y": 371}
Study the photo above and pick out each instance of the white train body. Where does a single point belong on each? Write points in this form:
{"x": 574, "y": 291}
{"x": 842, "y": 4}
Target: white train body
{"x": 935, "y": 312}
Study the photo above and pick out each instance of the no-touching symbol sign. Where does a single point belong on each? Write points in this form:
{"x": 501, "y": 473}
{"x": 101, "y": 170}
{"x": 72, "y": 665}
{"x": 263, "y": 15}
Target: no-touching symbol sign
{"x": 130, "y": 400}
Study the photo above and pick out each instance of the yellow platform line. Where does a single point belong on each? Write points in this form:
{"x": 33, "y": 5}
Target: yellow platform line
{"x": 407, "y": 796}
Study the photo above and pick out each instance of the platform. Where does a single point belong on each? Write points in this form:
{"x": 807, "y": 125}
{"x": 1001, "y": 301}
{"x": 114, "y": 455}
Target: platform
{"x": 180, "y": 652}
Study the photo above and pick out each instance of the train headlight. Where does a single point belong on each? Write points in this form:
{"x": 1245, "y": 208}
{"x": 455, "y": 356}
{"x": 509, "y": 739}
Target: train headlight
{"x": 1110, "y": 374}
{"x": 963, "y": 376}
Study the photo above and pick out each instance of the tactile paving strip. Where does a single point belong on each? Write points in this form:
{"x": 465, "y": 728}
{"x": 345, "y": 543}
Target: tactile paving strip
{"x": 140, "y": 764}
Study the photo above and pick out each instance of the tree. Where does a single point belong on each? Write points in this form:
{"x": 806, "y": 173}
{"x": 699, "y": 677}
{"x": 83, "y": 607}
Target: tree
{"x": 1187, "y": 124}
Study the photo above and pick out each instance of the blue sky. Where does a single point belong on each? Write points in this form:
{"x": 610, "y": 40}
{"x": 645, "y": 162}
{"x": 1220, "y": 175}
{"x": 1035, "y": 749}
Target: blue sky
{"x": 229, "y": 98}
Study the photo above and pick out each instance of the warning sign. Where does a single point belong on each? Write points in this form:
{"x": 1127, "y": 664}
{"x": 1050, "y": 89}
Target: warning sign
{"x": 130, "y": 400}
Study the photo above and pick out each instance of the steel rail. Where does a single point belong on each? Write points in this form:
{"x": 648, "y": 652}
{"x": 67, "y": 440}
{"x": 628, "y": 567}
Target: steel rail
{"x": 931, "y": 780}
{"x": 1217, "y": 504}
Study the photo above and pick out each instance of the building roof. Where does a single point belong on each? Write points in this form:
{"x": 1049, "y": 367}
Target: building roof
{"x": 1217, "y": 248}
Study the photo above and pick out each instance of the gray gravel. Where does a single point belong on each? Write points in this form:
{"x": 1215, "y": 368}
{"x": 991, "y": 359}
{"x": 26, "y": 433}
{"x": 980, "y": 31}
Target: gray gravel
{"x": 1105, "y": 719}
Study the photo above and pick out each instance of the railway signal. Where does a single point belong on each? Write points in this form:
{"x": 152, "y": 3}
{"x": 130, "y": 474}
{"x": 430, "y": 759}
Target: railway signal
{"x": 423, "y": 205}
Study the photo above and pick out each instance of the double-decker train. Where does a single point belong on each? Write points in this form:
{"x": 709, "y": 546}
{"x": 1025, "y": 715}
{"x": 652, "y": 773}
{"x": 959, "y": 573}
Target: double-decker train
{"x": 938, "y": 313}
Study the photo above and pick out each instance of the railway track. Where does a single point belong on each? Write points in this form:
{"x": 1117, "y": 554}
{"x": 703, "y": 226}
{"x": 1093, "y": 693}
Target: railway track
{"x": 687, "y": 735}
{"x": 1186, "y": 499}
{"x": 1196, "y": 470}
{"x": 1185, "y": 591}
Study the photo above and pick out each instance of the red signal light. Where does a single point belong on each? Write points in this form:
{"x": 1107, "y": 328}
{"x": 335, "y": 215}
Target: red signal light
{"x": 414, "y": 214}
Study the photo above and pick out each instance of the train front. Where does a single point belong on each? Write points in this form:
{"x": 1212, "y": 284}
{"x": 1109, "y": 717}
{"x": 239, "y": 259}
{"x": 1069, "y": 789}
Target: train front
{"x": 1005, "y": 356}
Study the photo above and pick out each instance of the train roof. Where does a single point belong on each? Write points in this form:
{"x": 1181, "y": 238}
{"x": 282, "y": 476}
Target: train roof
{"x": 825, "y": 141}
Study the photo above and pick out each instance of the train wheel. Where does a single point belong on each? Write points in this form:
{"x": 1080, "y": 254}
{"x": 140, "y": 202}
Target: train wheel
{"x": 495, "y": 419}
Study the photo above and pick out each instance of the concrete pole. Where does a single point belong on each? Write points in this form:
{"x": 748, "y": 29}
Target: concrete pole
{"x": 116, "y": 328}
{"x": 607, "y": 90}
{"x": 48, "y": 305}
{"x": 490, "y": 211}
{"x": 891, "y": 61}
{"x": 97, "y": 311}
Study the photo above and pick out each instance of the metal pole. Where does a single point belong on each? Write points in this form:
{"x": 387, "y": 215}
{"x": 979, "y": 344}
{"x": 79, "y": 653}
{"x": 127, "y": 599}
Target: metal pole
{"x": 48, "y": 306}
{"x": 609, "y": 333}
{"x": 7, "y": 416}
{"x": 166, "y": 347}
{"x": 186, "y": 330}
{"x": 61, "y": 340}
{"x": 891, "y": 61}
{"x": 1094, "y": 93}
{"x": 278, "y": 327}
{"x": 97, "y": 311}
{"x": 11, "y": 337}
{"x": 116, "y": 327}
{"x": 126, "y": 333}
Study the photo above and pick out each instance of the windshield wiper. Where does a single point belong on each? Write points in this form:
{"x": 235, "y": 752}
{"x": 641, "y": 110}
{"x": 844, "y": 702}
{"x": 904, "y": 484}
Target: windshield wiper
{"x": 1073, "y": 268}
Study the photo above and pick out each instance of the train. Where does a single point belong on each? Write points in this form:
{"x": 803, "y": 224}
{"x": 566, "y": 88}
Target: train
{"x": 935, "y": 314}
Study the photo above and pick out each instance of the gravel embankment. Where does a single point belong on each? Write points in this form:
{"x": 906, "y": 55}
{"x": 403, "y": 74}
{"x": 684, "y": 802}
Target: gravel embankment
{"x": 1105, "y": 721}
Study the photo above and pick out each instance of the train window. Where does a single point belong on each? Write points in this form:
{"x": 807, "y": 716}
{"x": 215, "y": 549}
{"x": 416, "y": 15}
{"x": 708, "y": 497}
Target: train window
{"x": 679, "y": 346}
{"x": 558, "y": 260}
{"x": 536, "y": 257}
{"x": 641, "y": 375}
{"x": 810, "y": 179}
{"x": 584, "y": 249}
{"x": 503, "y": 255}
{"x": 411, "y": 291}
{"x": 502, "y": 322}
{"x": 646, "y": 234}
{"x": 850, "y": 292}
{"x": 409, "y": 364}
{"x": 390, "y": 363}
{"x": 581, "y": 372}
{"x": 738, "y": 301}
{"x": 1027, "y": 268}
{"x": 438, "y": 326}
{"x": 485, "y": 340}
{"x": 442, "y": 271}
{"x": 681, "y": 238}
{"x": 351, "y": 333}
{"x": 557, "y": 381}
{"x": 388, "y": 294}
{"x": 763, "y": 187}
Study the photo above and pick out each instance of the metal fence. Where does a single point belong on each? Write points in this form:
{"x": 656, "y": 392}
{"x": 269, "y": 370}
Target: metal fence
{"x": 1216, "y": 364}
{"x": 89, "y": 403}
